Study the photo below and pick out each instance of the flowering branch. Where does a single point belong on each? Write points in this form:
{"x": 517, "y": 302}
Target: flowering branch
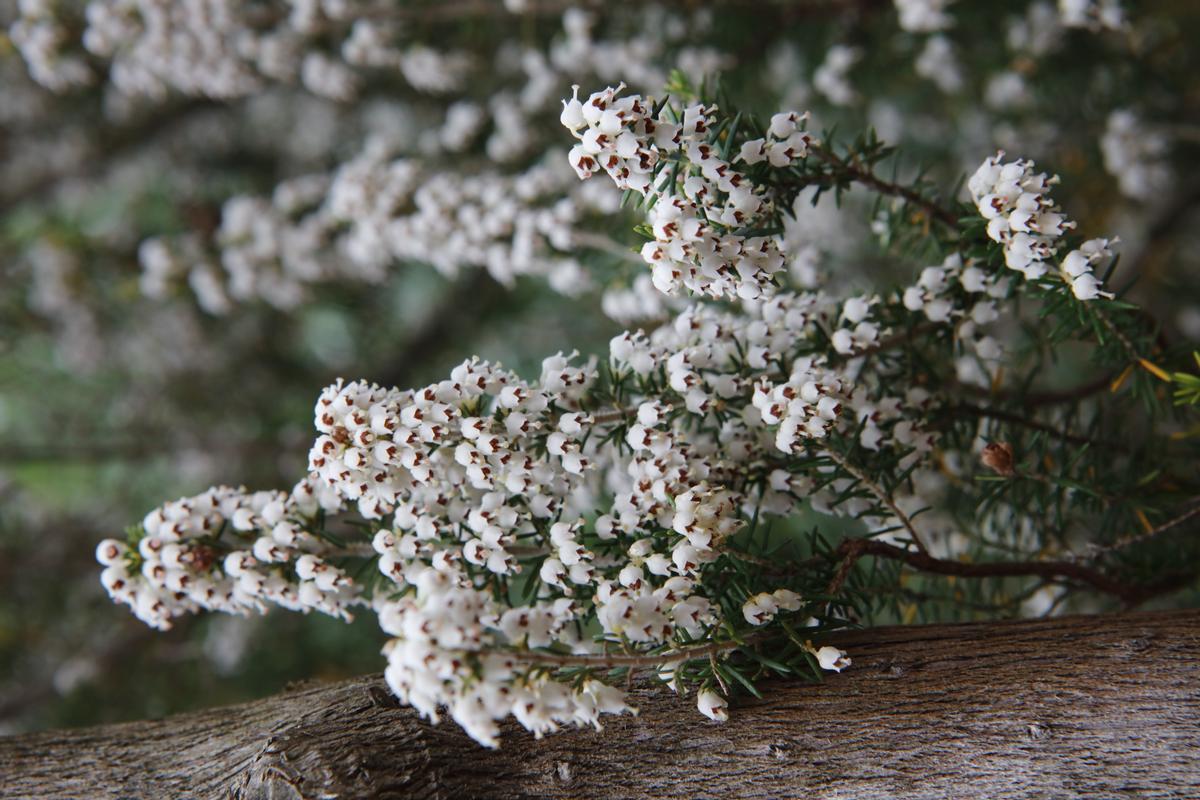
{"x": 525, "y": 530}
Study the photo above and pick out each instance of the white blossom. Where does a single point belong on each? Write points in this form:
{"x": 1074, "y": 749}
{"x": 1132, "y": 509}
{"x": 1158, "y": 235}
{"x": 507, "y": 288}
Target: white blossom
{"x": 712, "y": 705}
{"x": 1023, "y": 218}
{"x": 695, "y": 215}
{"x": 831, "y": 658}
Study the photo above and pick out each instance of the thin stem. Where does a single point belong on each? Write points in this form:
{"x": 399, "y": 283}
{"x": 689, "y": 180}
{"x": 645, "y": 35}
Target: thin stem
{"x": 870, "y": 179}
{"x": 1134, "y": 356}
{"x": 616, "y": 415}
{"x": 1137, "y": 538}
{"x": 882, "y": 494}
{"x": 843, "y": 572}
{"x": 750, "y": 559}
{"x": 352, "y": 550}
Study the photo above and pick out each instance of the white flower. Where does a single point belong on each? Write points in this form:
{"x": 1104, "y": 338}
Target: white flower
{"x": 1086, "y": 287}
{"x": 760, "y": 609}
{"x": 110, "y": 552}
{"x": 572, "y": 113}
{"x": 1027, "y": 223}
{"x": 696, "y": 212}
{"x": 787, "y": 599}
{"x": 856, "y": 309}
{"x": 712, "y": 705}
{"x": 832, "y": 659}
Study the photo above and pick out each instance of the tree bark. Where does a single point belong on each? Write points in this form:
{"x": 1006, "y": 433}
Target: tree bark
{"x": 1104, "y": 707}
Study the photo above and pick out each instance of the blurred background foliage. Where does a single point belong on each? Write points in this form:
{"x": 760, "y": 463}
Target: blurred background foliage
{"x": 111, "y": 402}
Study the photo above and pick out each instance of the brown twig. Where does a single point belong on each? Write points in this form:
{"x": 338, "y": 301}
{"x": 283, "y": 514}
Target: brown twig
{"x": 615, "y": 415}
{"x": 869, "y": 179}
{"x": 882, "y": 494}
{"x": 850, "y": 557}
{"x": 853, "y": 549}
{"x": 1137, "y": 538}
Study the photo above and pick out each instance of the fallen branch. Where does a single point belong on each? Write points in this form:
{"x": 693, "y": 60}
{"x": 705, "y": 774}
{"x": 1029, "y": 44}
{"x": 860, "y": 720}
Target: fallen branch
{"x": 1077, "y": 706}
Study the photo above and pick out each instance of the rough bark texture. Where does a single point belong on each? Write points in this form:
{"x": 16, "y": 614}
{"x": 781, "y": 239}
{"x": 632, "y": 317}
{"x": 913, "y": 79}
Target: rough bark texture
{"x": 1103, "y": 707}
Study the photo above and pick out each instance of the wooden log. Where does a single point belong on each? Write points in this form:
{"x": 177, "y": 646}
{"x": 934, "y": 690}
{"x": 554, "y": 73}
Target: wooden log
{"x": 1100, "y": 707}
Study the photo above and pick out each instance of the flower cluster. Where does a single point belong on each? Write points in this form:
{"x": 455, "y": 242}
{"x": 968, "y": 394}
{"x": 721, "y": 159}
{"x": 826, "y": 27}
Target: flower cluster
{"x": 590, "y": 518}
{"x": 528, "y": 537}
{"x": 937, "y": 60}
{"x": 532, "y": 534}
{"x": 762, "y": 607}
{"x": 863, "y": 335}
{"x": 440, "y": 657}
{"x": 1077, "y": 267}
{"x": 224, "y": 49}
{"x": 805, "y": 407}
{"x": 372, "y": 212}
{"x": 1023, "y": 218}
{"x": 228, "y": 550}
{"x": 939, "y": 63}
{"x": 477, "y": 472}
{"x": 725, "y": 362}
{"x": 616, "y": 520}
{"x": 42, "y": 41}
{"x": 587, "y": 516}
{"x": 389, "y": 204}
{"x": 636, "y": 303}
{"x": 408, "y": 452}
{"x": 697, "y": 201}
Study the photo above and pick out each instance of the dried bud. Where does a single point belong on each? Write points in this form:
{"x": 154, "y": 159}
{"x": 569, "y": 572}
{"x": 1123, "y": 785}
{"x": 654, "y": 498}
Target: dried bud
{"x": 201, "y": 557}
{"x": 999, "y": 457}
